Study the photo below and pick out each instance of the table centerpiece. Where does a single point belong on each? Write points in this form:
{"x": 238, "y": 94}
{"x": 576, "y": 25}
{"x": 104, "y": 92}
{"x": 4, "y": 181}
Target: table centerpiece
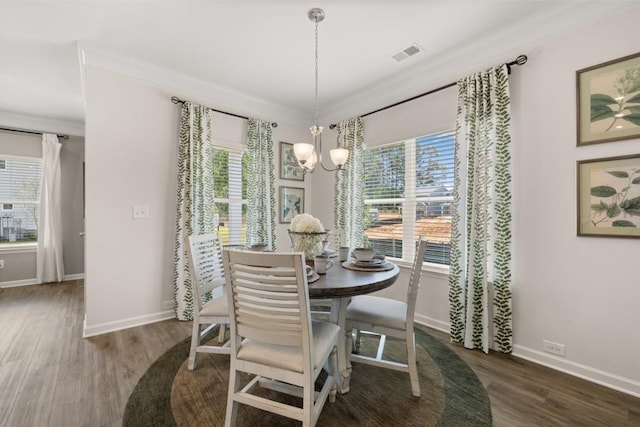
{"x": 307, "y": 235}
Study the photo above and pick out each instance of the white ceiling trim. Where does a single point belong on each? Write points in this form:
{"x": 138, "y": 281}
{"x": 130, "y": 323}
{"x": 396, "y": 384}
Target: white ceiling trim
{"x": 210, "y": 94}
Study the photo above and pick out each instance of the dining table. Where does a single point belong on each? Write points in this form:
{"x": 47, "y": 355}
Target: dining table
{"x": 339, "y": 284}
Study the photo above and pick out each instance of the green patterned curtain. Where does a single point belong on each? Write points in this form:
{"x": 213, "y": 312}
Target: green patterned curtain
{"x": 481, "y": 233}
{"x": 261, "y": 202}
{"x": 194, "y": 196}
{"x": 349, "y": 188}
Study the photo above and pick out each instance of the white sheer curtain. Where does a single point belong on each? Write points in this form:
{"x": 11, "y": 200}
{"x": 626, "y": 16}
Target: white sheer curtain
{"x": 50, "y": 265}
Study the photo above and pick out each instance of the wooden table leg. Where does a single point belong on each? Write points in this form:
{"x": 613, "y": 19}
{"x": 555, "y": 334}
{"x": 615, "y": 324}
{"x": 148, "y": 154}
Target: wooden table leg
{"x": 338, "y": 317}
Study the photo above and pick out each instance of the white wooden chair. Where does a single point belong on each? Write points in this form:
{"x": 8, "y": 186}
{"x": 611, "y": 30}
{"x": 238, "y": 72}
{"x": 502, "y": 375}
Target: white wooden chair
{"x": 273, "y": 336}
{"x": 207, "y": 275}
{"x": 388, "y": 317}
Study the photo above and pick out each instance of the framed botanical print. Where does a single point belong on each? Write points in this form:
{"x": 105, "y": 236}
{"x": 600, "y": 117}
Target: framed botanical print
{"x": 291, "y": 203}
{"x": 609, "y": 197}
{"x": 289, "y": 167}
{"x": 608, "y": 98}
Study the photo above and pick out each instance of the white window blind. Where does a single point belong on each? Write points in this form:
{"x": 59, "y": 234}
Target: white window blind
{"x": 20, "y": 199}
{"x": 408, "y": 193}
{"x": 230, "y": 189}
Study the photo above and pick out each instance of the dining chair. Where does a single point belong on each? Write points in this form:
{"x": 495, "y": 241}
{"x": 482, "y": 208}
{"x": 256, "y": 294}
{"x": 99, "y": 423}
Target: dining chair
{"x": 388, "y": 317}
{"x": 207, "y": 277}
{"x": 273, "y": 337}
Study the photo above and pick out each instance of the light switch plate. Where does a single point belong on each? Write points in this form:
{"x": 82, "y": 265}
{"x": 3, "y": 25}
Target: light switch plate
{"x": 140, "y": 212}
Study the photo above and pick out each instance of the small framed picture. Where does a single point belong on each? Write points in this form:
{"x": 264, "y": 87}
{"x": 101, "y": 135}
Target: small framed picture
{"x": 608, "y": 97}
{"x": 289, "y": 167}
{"x": 609, "y": 197}
{"x": 291, "y": 203}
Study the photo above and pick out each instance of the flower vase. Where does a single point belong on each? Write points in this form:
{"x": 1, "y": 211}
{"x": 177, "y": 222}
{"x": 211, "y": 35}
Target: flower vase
{"x": 310, "y": 243}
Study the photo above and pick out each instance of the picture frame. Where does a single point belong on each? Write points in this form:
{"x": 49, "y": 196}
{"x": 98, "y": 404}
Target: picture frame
{"x": 609, "y": 196}
{"x": 291, "y": 203}
{"x": 289, "y": 167}
{"x": 608, "y": 101}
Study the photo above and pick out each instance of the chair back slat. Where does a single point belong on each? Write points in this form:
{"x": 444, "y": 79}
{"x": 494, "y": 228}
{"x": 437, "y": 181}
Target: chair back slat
{"x": 269, "y": 297}
{"x": 205, "y": 258}
{"x": 414, "y": 280}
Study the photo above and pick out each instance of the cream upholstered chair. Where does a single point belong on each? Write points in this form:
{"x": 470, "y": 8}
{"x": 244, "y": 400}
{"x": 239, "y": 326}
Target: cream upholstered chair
{"x": 273, "y": 336}
{"x": 387, "y": 317}
{"x": 207, "y": 275}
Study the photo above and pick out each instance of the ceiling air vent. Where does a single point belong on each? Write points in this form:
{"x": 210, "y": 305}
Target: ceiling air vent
{"x": 407, "y": 52}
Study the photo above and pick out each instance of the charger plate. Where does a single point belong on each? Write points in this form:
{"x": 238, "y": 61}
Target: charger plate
{"x": 356, "y": 266}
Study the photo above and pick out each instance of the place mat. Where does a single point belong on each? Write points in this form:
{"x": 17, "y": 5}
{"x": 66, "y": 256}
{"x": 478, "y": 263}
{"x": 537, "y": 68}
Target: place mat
{"x": 351, "y": 265}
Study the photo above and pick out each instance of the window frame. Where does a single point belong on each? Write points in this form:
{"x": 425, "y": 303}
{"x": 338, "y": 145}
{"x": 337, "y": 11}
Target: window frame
{"x": 238, "y": 149}
{"x": 409, "y": 203}
{"x": 18, "y": 247}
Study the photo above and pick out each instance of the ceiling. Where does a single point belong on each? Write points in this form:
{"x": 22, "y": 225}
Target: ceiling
{"x": 264, "y": 49}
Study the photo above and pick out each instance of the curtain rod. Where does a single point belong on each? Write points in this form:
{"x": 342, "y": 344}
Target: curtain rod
{"x": 520, "y": 60}
{"x": 31, "y": 132}
{"x": 177, "y": 100}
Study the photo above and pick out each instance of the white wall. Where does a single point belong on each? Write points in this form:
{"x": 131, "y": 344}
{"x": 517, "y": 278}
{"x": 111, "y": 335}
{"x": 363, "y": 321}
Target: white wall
{"x": 131, "y": 150}
{"x": 578, "y": 291}
{"x": 582, "y": 292}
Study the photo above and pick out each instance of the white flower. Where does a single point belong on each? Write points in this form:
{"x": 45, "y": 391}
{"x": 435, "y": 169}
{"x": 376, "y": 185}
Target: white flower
{"x": 305, "y": 223}
{"x": 310, "y": 244}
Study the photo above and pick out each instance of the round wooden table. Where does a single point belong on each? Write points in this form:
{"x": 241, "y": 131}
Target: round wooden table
{"x": 339, "y": 285}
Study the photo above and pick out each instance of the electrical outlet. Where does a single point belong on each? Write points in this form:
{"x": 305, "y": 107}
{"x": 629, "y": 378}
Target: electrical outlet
{"x": 1, "y": 263}
{"x": 140, "y": 212}
{"x": 554, "y": 348}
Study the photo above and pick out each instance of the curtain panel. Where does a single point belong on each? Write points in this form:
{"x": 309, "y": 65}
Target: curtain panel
{"x": 349, "y": 184}
{"x": 480, "y": 269}
{"x": 261, "y": 202}
{"x": 195, "y": 195}
{"x": 50, "y": 264}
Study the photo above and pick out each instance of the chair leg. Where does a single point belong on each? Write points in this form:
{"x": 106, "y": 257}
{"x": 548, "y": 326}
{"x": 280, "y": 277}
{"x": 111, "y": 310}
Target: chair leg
{"x": 232, "y": 405}
{"x": 195, "y": 341}
{"x": 358, "y": 340}
{"x": 411, "y": 362}
{"x": 221, "y": 333}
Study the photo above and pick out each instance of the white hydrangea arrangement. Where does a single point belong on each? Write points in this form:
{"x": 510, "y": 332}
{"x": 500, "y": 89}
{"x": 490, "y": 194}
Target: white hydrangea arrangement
{"x": 307, "y": 233}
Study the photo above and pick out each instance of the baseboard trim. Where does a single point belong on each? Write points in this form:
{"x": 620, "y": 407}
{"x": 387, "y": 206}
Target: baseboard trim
{"x": 16, "y": 283}
{"x": 432, "y": 323}
{"x": 597, "y": 376}
{"x": 34, "y": 281}
{"x": 606, "y": 379}
{"x": 103, "y": 328}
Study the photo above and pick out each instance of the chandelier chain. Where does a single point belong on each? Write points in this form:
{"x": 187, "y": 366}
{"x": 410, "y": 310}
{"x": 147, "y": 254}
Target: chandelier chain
{"x": 316, "y": 89}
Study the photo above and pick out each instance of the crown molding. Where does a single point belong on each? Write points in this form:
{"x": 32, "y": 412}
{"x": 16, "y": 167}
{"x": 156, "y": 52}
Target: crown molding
{"x": 460, "y": 61}
{"x": 41, "y": 124}
{"x": 212, "y": 94}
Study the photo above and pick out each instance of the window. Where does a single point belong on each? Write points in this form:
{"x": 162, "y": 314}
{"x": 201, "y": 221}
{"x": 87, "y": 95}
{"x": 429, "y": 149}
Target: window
{"x": 230, "y": 205}
{"x": 20, "y": 199}
{"x": 408, "y": 194}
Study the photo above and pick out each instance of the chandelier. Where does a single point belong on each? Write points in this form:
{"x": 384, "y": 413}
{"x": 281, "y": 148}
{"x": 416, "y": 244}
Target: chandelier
{"x": 310, "y": 155}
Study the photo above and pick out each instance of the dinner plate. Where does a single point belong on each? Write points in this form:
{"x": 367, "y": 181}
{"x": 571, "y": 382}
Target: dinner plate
{"x": 372, "y": 263}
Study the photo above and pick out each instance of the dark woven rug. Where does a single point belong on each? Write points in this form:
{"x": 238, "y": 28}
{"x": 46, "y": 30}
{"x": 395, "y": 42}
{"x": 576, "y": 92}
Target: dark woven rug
{"x": 170, "y": 395}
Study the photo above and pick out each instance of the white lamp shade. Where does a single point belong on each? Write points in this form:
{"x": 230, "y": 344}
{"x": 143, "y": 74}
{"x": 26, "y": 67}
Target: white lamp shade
{"x": 303, "y": 151}
{"x": 339, "y": 156}
{"x": 311, "y": 163}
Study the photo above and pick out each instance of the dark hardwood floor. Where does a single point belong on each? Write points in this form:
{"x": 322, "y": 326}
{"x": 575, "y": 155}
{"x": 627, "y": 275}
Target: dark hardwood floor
{"x": 50, "y": 376}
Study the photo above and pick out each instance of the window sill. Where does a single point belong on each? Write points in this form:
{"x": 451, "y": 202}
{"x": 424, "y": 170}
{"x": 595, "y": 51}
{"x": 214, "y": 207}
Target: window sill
{"x": 436, "y": 269}
{"x": 19, "y": 248}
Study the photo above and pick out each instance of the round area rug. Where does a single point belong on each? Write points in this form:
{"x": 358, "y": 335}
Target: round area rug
{"x": 170, "y": 395}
